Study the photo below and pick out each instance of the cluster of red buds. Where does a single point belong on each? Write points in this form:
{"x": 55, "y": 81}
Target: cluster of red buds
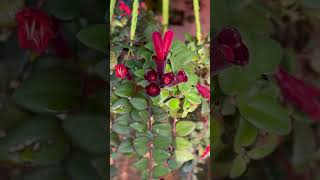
{"x": 228, "y": 49}
{"x": 158, "y": 78}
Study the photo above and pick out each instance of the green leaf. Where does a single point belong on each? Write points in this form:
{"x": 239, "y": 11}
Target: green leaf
{"x": 162, "y": 142}
{"x": 184, "y": 128}
{"x": 120, "y": 129}
{"x": 141, "y": 164}
{"x": 87, "y": 131}
{"x": 193, "y": 97}
{"x": 123, "y": 119}
{"x": 95, "y": 36}
{"x": 239, "y": 166}
{"x": 160, "y": 170}
{"x": 139, "y": 127}
{"x": 140, "y": 73}
{"x": 180, "y": 57}
{"x": 42, "y": 92}
{"x": 126, "y": 146}
{"x": 264, "y": 148}
{"x": 138, "y": 103}
{"x": 246, "y": 135}
{"x": 163, "y": 129}
{"x": 79, "y": 166}
{"x": 37, "y": 141}
{"x": 183, "y": 156}
{"x": 265, "y": 113}
{"x": 173, "y": 104}
{"x": 125, "y": 89}
{"x": 141, "y": 145}
{"x": 182, "y": 143}
{"x": 64, "y": 10}
{"x": 121, "y": 106}
{"x": 160, "y": 155}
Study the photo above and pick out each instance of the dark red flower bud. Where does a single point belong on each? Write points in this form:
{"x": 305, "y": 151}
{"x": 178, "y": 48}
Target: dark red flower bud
{"x": 151, "y": 75}
{"x": 241, "y": 55}
{"x": 167, "y": 41}
{"x": 229, "y": 36}
{"x": 152, "y": 89}
{"x": 181, "y": 77}
{"x": 227, "y": 52}
{"x": 300, "y": 94}
{"x": 204, "y": 91}
{"x": 35, "y": 29}
{"x": 206, "y": 152}
{"x": 121, "y": 71}
{"x": 167, "y": 78}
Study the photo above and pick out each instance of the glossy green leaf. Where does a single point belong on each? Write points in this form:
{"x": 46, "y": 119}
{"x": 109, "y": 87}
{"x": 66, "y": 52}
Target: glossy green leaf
{"x": 120, "y": 129}
{"x": 265, "y": 148}
{"x": 181, "y": 56}
{"x": 173, "y": 104}
{"x": 121, "y": 106}
{"x": 182, "y": 143}
{"x": 162, "y": 142}
{"x": 159, "y": 171}
{"x": 123, "y": 119}
{"x": 264, "y": 112}
{"x": 160, "y": 155}
{"x": 193, "y": 97}
{"x": 141, "y": 145}
{"x": 125, "y": 89}
{"x": 184, "y": 128}
{"x": 42, "y": 92}
{"x": 239, "y": 166}
{"x": 87, "y": 131}
{"x": 246, "y": 135}
{"x": 126, "y": 146}
{"x": 163, "y": 129}
{"x": 138, "y": 103}
{"x": 141, "y": 164}
{"x": 183, "y": 156}
{"x": 139, "y": 127}
{"x": 95, "y": 36}
{"x": 37, "y": 141}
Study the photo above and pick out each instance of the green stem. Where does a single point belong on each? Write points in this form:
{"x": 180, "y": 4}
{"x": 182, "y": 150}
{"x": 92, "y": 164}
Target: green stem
{"x": 134, "y": 20}
{"x": 196, "y": 9}
{"x": 165, "y": 14}
{"x": 112, "y": 5}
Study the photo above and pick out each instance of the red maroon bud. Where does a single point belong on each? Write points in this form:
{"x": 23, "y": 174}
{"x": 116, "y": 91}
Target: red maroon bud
{"x": 152, "y": 89}
{"x": 204, "y": 91}
{"x": 121, "y": 71}
{"x": 167, "y": 78}
{"x": 151, "y": 75}
{"x": 181, "y": 77}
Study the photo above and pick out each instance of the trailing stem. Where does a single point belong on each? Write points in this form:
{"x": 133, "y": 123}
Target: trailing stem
{"x": 165, "y": 14}
{"x": 196, "y": 9}
{"x": 134, "y": 20}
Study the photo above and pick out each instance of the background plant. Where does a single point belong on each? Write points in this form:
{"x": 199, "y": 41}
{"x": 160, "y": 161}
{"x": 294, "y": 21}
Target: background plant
{"x": 166, "y": 132}
{"x": 253, "y": 126}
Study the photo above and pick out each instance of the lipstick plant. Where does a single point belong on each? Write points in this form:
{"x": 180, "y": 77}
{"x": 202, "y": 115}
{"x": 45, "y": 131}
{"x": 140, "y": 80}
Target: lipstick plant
{"x": 159, "y": 116}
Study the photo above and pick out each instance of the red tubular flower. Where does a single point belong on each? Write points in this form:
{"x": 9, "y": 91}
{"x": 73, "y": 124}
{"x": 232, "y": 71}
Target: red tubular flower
{"x": 151, "y": 75}
{"x": 152, "y": 89}
{"x": 204, "y": 91}
{"x": 300, "y": 94}
{"x": 206, "y": 152}
{"x": 35, "y": 29}
{"x": 167, "y": 79}
{"x": 162, "y": 48}
{"x": 125, "y": 8}
{"x": 121, "y": 71}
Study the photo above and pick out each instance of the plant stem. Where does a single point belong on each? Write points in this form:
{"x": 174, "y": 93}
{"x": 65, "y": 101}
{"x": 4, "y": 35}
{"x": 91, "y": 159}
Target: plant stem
{"x": 150, "y": 145}
{"x": 112, "y": 5}
{"x": 196, "y": 9}
{"x": 165, "y": 14}
{"x": 134, "y": 20}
